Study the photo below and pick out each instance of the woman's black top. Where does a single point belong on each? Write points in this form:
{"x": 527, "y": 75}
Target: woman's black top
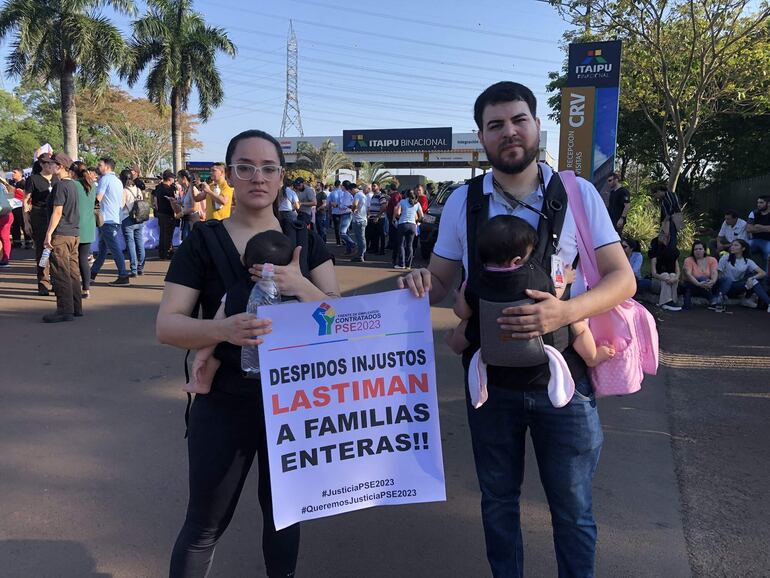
{"x": 194, "y": 267}
{"x": 666, "y": 257}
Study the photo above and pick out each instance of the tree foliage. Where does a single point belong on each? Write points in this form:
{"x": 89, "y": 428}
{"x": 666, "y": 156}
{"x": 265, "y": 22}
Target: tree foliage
{"x": 371, "y": 173}
{"x": 324, "y": 161}
{"x": 59, "y": 40}
{"x": 180, "y": 50}
{"x": 685, "y": 64}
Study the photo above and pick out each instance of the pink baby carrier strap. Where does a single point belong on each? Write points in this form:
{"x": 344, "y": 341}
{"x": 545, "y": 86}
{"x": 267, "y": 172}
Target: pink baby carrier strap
{"x": 628, "y": 327}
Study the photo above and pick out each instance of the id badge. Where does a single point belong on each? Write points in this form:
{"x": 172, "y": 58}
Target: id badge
{"x": 557, "y": 271}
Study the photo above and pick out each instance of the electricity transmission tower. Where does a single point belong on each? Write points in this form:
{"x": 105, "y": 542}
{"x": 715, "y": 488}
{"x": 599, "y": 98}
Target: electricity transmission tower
{"x": 291, "y": 116}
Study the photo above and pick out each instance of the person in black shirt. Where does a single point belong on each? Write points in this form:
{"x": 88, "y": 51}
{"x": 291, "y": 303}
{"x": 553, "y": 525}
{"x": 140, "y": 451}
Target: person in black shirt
{"x": 18, "y": 227}
{"x": 226, "y": 427}
{"x": 164, "y": 212}
{"x": 619, "y": 203}
{"x": 759, "y": 227}
{"x": 37, "y": 188}
{"x": 664, "y": 266}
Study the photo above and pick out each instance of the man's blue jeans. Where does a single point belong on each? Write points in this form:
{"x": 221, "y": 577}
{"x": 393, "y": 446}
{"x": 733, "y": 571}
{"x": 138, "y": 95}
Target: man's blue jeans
{"x": 134, "y": 234}
{"x": 567, "y": 444}
{"x": 321, "y": 223}
{"x": 736, "y": 288}
{"x": 108, "y": 241}
{"x": 359, "y": 228}
{"x": 345, "y": 221}
{"x": 761, "y": 246}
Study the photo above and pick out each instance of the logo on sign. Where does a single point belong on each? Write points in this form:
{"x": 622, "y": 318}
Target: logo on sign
{"x": 594, "y": 56}
{"x": 593, "y": 65}
{"x": 357, "y": 141}
{"x": 324, "y": 316}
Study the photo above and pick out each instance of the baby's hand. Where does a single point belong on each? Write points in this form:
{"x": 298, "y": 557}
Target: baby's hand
{"x": 569, "y": 275}
{"x": 461, "y": 307}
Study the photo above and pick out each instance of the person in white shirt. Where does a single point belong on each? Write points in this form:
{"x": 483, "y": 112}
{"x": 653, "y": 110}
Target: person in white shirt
{"x": 336, "y": 212}
{"x": 345, "y": 205}
{"x": 732, "y": 228}
{"x": 738, "y": 274}
{"x": 567, "y": 441}
{"x": 358, "y": 224}
{"x": 288, "y": 204}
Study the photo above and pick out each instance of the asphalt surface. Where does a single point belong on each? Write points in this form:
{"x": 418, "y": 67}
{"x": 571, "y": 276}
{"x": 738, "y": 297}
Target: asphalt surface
{"x": 93, "y": 461}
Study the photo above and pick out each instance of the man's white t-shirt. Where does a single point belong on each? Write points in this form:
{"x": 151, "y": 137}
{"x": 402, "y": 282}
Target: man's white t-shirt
{"x": 288, "y": 200}
{"x": 361, "y": 206}
{"x": 737, "y": 231}
{"x": 452, "y": 242}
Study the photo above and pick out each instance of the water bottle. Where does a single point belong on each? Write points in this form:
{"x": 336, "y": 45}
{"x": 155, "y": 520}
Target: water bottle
{"x": 217, "y": 204}
{"x": 265, "y": 292}
{"x": 720, "y": 308}
{"x": 44, "y": 257}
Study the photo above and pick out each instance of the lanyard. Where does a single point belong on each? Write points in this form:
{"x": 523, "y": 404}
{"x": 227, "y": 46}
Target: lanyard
{"x": 510, "y": 197}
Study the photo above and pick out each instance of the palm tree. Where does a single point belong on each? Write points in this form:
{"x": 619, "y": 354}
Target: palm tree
{"x": 323, "y": 161}
{"x": 180, "y": 49}
{"x": 373, "y": 173}
{"x": 59, "y": 39}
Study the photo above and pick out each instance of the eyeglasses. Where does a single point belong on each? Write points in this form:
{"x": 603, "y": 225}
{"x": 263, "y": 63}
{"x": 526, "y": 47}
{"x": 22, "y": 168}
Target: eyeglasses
{"x": 246, "y": 172}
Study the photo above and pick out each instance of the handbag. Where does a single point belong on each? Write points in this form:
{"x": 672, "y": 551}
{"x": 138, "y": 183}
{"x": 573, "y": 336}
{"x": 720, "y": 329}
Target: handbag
{"x": 628, "y": 327}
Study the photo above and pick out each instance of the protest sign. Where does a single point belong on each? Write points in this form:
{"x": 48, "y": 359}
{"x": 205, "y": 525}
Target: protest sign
{"x": 351, "y": 414}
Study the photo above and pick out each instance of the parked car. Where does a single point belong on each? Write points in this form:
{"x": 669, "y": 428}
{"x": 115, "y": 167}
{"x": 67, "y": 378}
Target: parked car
{"x": 430, "y": 221}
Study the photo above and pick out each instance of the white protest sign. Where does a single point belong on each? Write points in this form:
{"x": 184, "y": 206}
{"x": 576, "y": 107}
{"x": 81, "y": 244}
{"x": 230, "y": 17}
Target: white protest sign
{"x": 351, "y": 414}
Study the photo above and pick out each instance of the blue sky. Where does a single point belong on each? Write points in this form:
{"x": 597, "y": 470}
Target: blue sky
{"x": 373, "y": 64}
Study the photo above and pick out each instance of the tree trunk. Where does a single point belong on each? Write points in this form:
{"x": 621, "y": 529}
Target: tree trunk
{"x": 176, "y": 130}
{"x": 69, "y": 117}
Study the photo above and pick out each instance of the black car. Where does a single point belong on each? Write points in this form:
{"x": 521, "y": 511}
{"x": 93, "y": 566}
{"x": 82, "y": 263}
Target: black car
{"x": 429, "y": 224}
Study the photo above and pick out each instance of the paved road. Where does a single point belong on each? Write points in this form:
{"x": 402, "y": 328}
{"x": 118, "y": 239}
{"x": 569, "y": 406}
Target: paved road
{"x": 93, "y": 463}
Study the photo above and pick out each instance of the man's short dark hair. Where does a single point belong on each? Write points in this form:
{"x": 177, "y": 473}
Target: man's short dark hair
{"x": 218, "y": 164}
{"x": 167, "y": 174}
{"x": 110, "y": 162}
{"x": 337, "y": 183}
{"x": 614, "y": 175}
{"x": 505, "y": 91}
{"x": 268, "y": 247}
{"x": 731, "y": 213}
{"x": 765, "y": 198}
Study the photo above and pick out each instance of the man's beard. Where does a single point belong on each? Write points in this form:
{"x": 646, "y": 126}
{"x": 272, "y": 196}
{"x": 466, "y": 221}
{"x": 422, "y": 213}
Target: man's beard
{"x": 514, "y": 167}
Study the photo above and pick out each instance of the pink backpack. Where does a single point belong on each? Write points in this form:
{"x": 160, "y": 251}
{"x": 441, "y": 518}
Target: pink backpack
{"x": 628, "y": 327}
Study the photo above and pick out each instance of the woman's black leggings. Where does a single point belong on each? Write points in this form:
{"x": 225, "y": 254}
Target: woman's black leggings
{"x": 84, "y": 250}
{"x": 225, "y": 432}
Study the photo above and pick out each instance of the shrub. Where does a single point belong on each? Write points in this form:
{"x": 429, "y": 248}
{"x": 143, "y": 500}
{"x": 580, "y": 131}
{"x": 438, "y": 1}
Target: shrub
{"x": 643, "y": 223}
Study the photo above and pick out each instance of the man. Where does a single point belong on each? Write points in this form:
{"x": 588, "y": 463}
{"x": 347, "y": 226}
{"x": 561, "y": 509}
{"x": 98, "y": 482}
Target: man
{"x": 430, "y": 191}
{"x": 162, "y": 196}
{"x": 219, "y": 194}
{"x": 61, "y": 238}
{"x": 345, "y": 206}
{"x": 619, "y": 202}
{"x": 17, "y": 227}
{"x": 376, "y": 221}
{"x": 307, "y": 201}
{"x": 358, "y": 223}
{"x": 567, "y": 441}
{"x": 36, "y": 191}
{"x": 670, "y": 212}
{"x": 138, "y": 181}
{"x": 422, "y": 198}
{"x": 321, "y": 210}
{"x": 109, "y": 193}
{"x": 732, "y": 228}
{"x": 759, "y": 227}
{"x": 336, "y": 211}
{"x": 393, "y": 201}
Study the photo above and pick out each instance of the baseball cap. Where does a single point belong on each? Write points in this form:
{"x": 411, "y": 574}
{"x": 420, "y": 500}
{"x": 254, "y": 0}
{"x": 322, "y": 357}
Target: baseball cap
{"x": 63, "y": 159}
{"x": 299, "y": 181}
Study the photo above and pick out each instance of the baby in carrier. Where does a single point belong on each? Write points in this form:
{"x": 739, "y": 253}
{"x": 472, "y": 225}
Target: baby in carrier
{"x": 266, "y": 247}
{"x": 504, "y": 247}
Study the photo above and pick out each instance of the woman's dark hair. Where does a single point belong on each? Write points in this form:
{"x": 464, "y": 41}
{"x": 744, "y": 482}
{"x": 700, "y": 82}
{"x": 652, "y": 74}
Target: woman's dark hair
{"x": 37, "y": 168}
{"x": 183, "y": 174}
{"x": 125, "y": 177}
{"x": 80, "y": 168}
{"x": 253, "y": 133}
{"x": 505, "y": 91}
{"x": 411, "y": 197}
{"x": 634, "y": 244}
{"x": 694, "y": 244}
{"x": 504, "y": 238}
{"x": 268, "y": 247}
{"x": 745, "y": 254}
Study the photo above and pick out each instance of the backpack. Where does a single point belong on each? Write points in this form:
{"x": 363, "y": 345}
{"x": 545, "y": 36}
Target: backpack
{"x": 140, "y": 211}
{"x": 628, "y": 327}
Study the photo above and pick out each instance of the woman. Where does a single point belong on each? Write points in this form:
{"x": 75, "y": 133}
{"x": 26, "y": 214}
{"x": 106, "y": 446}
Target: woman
{"x": 664, "y": 266}
{"x": 700, "y": 275}
{"x": 407, "y": 213}
{"x": 738, "y": 274}
{"x": 188, "y": 208}
{"x": 633, "y": 252}
{"x": 86, "y": 197}
{"x": 226, "y": 430}
{"x": 36, "y": 190}
{"x": 132, "y": 231}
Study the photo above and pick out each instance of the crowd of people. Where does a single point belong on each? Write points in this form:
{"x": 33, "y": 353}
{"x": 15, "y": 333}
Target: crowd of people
{"x": 726, "y": 268}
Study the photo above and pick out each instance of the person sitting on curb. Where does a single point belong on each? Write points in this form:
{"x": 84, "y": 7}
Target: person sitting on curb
{"x": 732, "y": 228}
{"x": 700, "y": 275}
{"x": 740, "y": 275}
{"x": 633, "y": 251}
{"x": 664, "y": 266}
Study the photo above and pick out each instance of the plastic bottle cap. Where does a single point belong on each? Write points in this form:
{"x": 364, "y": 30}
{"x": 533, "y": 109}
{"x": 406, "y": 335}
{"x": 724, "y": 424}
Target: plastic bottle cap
{"x": 268, "y": 271}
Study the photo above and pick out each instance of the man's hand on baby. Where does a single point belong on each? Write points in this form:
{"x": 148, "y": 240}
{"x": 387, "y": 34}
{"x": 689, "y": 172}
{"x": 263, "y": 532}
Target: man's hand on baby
{"x": 528, "y": 321}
